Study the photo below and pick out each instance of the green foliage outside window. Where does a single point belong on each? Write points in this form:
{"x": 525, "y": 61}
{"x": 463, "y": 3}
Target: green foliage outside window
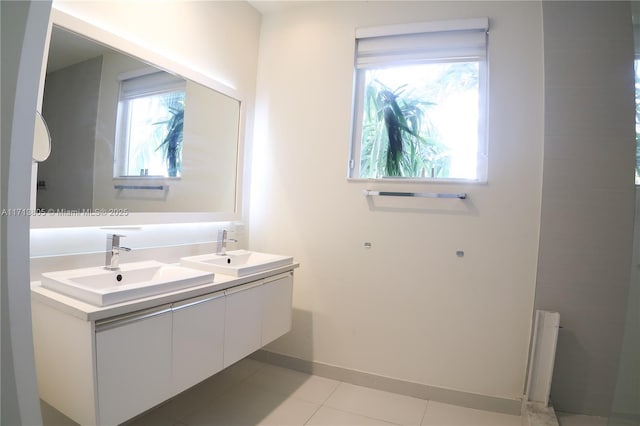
{"x": 400, "y": 135}
{"x": 396, "y": 139}
{"x": 637, "y": 89}
{"x": 171, "y": 145}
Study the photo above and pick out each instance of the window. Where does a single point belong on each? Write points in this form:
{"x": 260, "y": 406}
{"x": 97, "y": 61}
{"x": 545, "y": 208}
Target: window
{"x": 420, "y": 101}
{"x": 150, "y": 126}
{"x": 636, "y": 66}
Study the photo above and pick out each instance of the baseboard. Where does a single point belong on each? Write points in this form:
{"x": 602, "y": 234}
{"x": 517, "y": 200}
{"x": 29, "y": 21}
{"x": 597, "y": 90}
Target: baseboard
{"x": 418, "y": 390}
{"x": 630, "y": 419}
{"x": 538, "y": 414}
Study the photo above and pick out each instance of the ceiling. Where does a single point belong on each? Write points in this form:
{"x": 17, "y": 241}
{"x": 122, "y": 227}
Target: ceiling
{"x": 68, "y": 48}
{"x": 269, "y": 6}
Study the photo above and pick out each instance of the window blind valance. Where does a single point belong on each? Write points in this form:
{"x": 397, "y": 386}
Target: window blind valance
{"x": 150, "y": 84}
{"x": 422, "y": 42}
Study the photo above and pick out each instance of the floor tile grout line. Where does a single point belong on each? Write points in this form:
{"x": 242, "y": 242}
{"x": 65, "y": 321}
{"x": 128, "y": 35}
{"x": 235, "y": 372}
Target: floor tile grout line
{"x": 352, "y": 412}
{"x": 331, "y": 393}
{"x": 242, "y": 380}
{"x": 230, "y": 386}
{"x": 324, "y": 402}
{"x": 267, "y": 388}
{"x": 247, "y": 374}
{"x": 424, "y": 414}
{"x": 260, "y": 368}
{"x": 377, "y": 390}
{"x": 313, "y": 414}
{"x": 363, "y": 415}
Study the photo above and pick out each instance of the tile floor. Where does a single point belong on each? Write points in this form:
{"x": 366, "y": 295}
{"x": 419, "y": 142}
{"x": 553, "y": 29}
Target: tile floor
{"x": 254, "y": 393}
{"x": 569, "y": 419}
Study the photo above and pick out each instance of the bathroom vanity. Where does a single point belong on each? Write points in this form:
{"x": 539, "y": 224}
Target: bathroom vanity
{"x": 105, "y": 365}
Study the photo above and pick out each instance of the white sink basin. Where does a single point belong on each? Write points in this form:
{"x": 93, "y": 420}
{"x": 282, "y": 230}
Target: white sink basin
{"x": 134, "y": 280}
{"x": 236, "y": 262}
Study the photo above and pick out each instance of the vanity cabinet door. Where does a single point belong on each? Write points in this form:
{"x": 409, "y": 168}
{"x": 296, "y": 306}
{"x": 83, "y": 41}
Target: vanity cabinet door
{"x": 133, "y": 357}
{"x": 276, "y": 309}
{"x": 198, "y": 339}
{"x": 243, "y": 324}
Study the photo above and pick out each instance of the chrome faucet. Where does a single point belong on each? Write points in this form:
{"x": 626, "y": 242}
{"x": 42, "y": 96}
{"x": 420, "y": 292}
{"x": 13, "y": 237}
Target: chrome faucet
{"x": 112, "y": 262}
{"x": 221, "y": 247}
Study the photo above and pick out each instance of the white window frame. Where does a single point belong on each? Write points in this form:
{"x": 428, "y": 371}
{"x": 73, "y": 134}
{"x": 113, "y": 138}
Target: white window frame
{"x": 137, "y": 84}
{"x": 463, "y": 39}
{"x": 636, "y": 59}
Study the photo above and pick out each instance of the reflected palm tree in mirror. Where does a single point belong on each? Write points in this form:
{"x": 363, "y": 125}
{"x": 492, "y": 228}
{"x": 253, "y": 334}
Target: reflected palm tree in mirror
{"x": 172, "y": 142}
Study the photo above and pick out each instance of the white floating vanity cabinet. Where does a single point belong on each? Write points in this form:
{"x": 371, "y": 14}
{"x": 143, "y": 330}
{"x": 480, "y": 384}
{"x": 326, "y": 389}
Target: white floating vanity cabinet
{"x": 108, "y": 370}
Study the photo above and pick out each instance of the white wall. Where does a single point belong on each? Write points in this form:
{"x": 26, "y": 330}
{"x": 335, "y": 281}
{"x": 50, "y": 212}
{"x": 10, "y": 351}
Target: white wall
{"x": 23, "y": 37}
{"x": 70, "y": 106}
{"x": 198, "y": 40}
{"x": 193, "y": 33}
{"x": 626, "y": 398}
{"x": 407, "y": 308}
{"x": 588, "y": 195}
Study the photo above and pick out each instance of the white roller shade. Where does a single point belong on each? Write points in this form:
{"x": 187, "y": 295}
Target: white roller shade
{"x": 158, "y": 82}
{"x": 425, "y": 42}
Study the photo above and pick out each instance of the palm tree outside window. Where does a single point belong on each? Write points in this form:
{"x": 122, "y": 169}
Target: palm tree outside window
{"x": 420, "y": 102}
{"x": 150, "y": 126}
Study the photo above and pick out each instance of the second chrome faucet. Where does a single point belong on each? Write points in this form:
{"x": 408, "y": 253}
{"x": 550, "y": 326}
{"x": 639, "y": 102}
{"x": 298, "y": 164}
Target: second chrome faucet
{"x": 221, "y": 246}
{"x": 112, "y": 261}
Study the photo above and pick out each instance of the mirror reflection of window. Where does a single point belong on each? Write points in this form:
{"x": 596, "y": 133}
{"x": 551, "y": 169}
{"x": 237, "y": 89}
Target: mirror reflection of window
{"x": 92, "y": 157}
{"x": 150, "y": 126}
{"x": 636, "y": 67}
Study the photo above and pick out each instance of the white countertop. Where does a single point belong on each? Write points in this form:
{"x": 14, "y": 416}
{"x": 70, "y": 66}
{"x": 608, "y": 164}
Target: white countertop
{"x": 90, "y": 312}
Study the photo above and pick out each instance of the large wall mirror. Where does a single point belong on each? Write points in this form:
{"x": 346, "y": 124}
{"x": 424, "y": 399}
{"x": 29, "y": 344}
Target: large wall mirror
{"x": 132, "y": 138}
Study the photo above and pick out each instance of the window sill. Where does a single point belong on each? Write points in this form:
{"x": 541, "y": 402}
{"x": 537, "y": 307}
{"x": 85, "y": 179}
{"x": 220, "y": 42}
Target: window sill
{"x": 145, "y": 178}
{"x": 413, "y": 181}
{"x": 155, "y": 183}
